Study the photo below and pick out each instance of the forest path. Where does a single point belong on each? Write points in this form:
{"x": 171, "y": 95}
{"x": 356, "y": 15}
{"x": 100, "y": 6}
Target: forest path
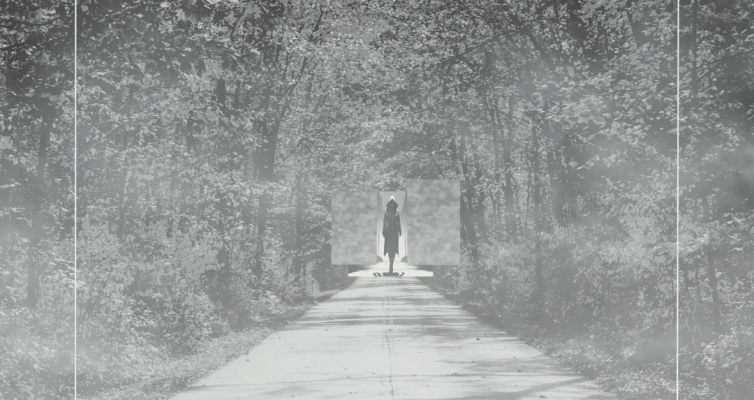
{"x": 392, "y": 338}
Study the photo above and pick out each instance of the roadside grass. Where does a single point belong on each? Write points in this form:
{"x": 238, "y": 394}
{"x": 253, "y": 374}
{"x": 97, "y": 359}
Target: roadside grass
{"x": 648, "y": 381}
{"x": 162, "y": 378}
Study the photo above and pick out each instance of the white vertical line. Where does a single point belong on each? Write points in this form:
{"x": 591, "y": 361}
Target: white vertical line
{"x": 677, "y": 196}
{"x": 75, "y": 197}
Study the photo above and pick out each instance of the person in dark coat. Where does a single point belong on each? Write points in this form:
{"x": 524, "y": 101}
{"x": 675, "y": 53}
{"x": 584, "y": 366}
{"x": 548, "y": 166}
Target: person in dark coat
{"x": 391, "y": 229}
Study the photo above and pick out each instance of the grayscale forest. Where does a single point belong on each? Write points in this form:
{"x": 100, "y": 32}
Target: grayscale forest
{"x": 211, "y": 134}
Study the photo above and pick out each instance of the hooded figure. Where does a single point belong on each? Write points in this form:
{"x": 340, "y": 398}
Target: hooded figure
{"x": 391, "y": 229}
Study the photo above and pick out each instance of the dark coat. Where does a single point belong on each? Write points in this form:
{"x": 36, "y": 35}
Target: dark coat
{"x": 391, "y": 227}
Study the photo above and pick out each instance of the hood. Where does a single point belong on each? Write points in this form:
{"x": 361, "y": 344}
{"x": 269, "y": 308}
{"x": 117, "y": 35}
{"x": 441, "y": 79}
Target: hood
{"x": 392, "y": 204}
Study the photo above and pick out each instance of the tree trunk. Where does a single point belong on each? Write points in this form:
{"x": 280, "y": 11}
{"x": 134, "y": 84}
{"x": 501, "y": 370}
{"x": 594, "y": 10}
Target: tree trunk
{"x": 497, "y": 219}
{"x": 637, "y": 28}
{"x": 467, "y": 194}
{"x": 712, "y": 273}
{"x": 569, "y": 190}
{"x": 223, "y": 207}
{"x": 495, "y": 197}
{"x": 479, "y": 208}
{"x": 556, "y": 188}
{"x": 123, "y": 181}
{"x": 266, "y": 156}
{"x": 5, "y": 207}
{"x": 510, "y": 212}
{"x": 568, "y": 179}
{"x": 37, "y": 228}
{"x": 497, "y": 131}
{"x": 222, "y": 197}
{"x": 5, "y": 176}
{"x": 298, "y": 228}
{"x": 536, "y": 199}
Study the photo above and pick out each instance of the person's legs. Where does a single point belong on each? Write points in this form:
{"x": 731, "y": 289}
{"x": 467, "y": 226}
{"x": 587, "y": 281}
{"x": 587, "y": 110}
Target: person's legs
{"x": 392, "y": 258}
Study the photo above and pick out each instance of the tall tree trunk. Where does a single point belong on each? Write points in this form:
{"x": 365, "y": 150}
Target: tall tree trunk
{"x": 266, "y": 154}
{"x": 5, "y": 177}
{"x": 712, "y": 272}
{"x": 536, "y": 199}
{"x": 37, "y": 225}
{"x": 298, "y": 228}
{"x": 557, "y": 175}
{"x": 477, "y": 196}
{"x": 495, "y": 196}
{"x": 5, "y": 221}
{"x": 264, "y": 203}
{"x": 223, "y": 253}
{"x": 694, "y": 49}
{"x": 568, "y": 188}
{"x": 479, "y": 208}
{"x": 556, "y": 187}
{"x": 564, "y": 152}
{"x": 223, "y": 202}
{"x": 510, "y": 212}
{"x": 123, "y": 181}
{"x": 637, "y": 28}
{"x": 497, "y": 218}
{"x": 467, "y": 194}
{"x": 497, "y": 132}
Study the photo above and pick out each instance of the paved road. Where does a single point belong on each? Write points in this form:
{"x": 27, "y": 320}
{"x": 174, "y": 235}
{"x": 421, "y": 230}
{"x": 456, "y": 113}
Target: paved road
{"x": 392, "y": 338}
{"x": 407, "y": 269}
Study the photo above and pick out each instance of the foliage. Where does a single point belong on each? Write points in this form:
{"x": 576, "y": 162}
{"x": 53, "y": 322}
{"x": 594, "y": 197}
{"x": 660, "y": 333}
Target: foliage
{"x": 562, "y": 134}
{"x": 717, "y": 189}
{"x": 36, "y": 200}
{"x": 211, "y": 135}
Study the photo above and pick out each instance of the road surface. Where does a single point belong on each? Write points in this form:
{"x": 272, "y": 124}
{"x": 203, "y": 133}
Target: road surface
{"x": 392, "y": 338}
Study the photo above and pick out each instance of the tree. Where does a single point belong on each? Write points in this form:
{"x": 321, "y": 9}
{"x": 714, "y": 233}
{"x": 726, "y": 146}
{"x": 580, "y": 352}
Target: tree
{"x": 36, "y": 198}
{"x": 716, "y": 203}
{"x": 211, "y": 135}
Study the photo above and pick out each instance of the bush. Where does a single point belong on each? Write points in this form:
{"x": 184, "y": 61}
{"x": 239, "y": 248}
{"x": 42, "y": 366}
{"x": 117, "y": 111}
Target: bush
{"x": 187, "y": 319}
{"x": 720, "y": 369}
{"x": 36, "y": 346}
